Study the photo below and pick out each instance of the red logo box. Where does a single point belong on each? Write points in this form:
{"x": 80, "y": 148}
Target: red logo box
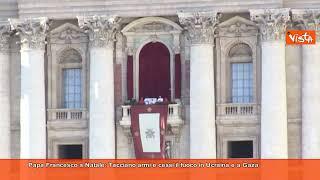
{"x": 300, "y": 37}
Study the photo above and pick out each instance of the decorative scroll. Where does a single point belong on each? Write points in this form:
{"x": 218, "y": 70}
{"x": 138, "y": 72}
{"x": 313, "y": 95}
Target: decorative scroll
{"x": 148, "y": 125}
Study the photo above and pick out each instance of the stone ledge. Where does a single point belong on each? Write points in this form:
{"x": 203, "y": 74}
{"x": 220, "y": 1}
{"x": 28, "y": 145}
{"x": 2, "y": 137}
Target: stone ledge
{"x": 124, "y": 8}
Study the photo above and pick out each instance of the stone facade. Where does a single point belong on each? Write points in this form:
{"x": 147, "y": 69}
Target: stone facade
{"x": 35, "y": 47}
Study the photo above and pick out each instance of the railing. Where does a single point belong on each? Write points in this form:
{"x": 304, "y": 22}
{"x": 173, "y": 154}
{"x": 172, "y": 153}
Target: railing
{"x": 67, "y": 114}
{"x": 237, "y": 109}
{"x": 173, "y": 119}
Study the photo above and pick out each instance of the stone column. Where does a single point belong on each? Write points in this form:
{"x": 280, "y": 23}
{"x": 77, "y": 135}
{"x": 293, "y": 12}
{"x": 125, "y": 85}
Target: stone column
{"x": 310, "y": 20}
{"x": 102, "y": 30}
{"x": 4, "y": 92}
{"x": 200, "y": 27}
{"x": 32, "y": 103}
{"x": 274, "y": 138}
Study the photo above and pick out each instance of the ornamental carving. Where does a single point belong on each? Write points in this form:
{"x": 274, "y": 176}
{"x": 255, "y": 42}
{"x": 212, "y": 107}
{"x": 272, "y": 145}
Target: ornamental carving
{"x": 67, "y": 34}
{"x": 237, "y": 27}
{"x": 70, "y": 56}
{"x": 32, "y": 32}
{"x": 307, "y": 19}
{"x": 272, "y": 22}
{"x": 240, "y": 50}
{"x": 102, "y": 29}
{"x": 4, "y": 37}
{"x": 200, "y": 26}
{"x": 152, "y": 27}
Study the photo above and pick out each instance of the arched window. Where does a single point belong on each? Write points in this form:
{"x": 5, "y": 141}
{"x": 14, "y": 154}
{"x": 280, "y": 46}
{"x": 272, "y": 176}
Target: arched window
{"x": 241, "y": 73}
{"x": 71, "y": 62}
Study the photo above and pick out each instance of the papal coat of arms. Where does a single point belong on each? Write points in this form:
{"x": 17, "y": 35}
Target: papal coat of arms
{"x": 150, "y": 134}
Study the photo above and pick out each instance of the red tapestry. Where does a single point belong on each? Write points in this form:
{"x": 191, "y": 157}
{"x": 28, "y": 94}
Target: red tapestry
{"x": 130, "y": 77}
{"x": 135, "y": 129}
{"x": 177, "y": 80}
{"x": 154, "y": 71}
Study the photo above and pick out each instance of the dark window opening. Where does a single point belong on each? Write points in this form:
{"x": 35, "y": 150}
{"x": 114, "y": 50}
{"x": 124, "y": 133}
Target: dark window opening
{"x": 70, "y": 151}
{"x": 240, "y": 149}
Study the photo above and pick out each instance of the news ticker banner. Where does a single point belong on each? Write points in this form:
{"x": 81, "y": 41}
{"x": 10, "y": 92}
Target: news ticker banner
{"x": 240, "y": 169}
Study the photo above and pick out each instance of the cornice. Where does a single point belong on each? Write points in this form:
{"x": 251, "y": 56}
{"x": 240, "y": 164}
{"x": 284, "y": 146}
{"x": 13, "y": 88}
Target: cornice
{"x": 60, "y": 9}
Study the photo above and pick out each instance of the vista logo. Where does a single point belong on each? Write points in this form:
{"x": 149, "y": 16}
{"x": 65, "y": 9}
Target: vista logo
{"x": 300, "y": 37}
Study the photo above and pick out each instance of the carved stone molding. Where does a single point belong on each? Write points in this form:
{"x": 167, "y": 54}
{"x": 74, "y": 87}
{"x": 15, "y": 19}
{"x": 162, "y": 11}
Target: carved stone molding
{"x": 237, "y": 27}
{"x": 4, "y": 37}
{"x": 272, "y": 22}
{"x": 102, "y": 29}
{"x": 67, "y": 34}
{"x": 32, "y": 32}
{"x": 307, "y": 19}
{"x": 151, "y": 29}
{"x": 200, "y": 26}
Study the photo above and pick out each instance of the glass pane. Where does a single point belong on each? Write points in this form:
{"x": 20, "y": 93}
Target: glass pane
{"x": 72, "y": 88}
{"x": 242, "y": 82}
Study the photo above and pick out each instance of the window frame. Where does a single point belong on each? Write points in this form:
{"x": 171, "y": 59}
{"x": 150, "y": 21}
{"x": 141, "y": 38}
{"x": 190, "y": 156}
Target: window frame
{"x": 227, "y": 98}
{"x": 60, "y": 82}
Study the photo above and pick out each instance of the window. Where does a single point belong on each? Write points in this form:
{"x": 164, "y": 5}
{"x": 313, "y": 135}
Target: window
{"x": 242, "y": 82}
{"x": 240, "y": 149}
{"x": 72, "y": 84}
{"x": 70, "y": 151}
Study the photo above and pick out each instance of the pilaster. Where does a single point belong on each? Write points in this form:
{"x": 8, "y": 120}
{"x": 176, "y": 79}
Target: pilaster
{"x": 33, "y": 138}
{"x": 274, "y": 137}
{"x": 102, "y": 31}
{"x": 4, "y": 91}
{"x": 200, "y": 27}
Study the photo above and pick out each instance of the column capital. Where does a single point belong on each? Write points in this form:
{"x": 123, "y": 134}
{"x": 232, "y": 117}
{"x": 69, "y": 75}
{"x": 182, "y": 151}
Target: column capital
{"x": 32, "y": 32}
{"x": 200, "y": 25}
{"x": 102, "y": 29}
{"x": 4, "y": 37}
{"x": 307, "y": 19}
{"x": 272, "y": 22}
